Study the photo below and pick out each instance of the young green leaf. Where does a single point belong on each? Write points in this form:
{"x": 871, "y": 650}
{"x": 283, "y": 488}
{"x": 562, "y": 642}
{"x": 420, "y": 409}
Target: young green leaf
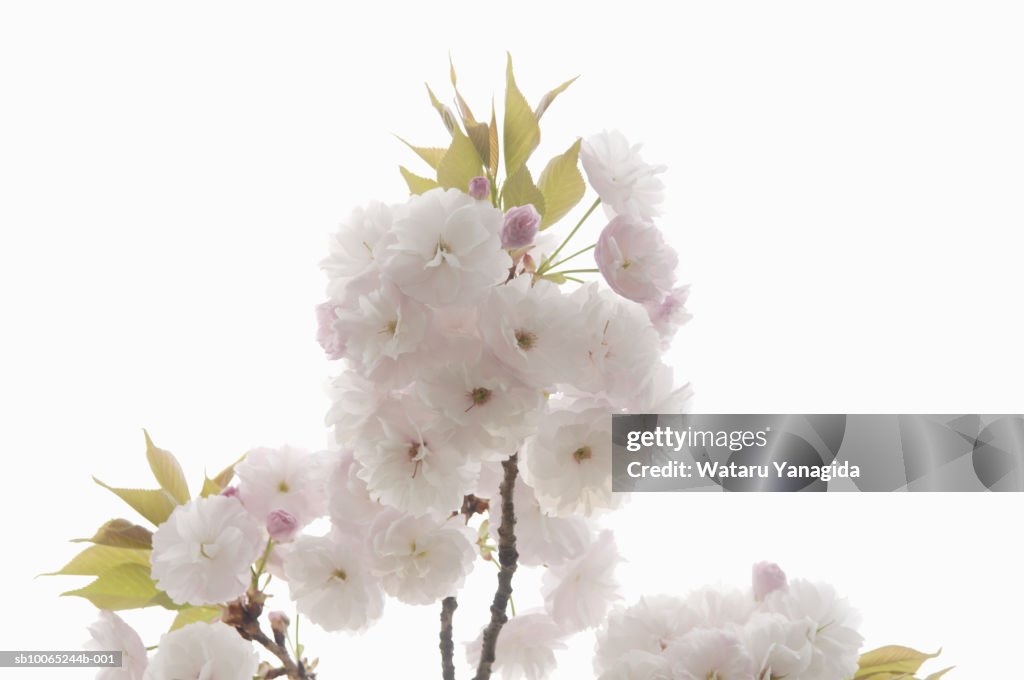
{"x": 519, "y": 189}
{"x": 447, "y": 117}
{"x": 562, "y": 185}
{"x": 417, "y": 184}
{"x": 492, "y": 136}
{"x": 167, "y": 471}
{"x": 97, "y": 559}
{"x": 432, "y": 155}
{"x": 546, "y": 100}
{"x": 522, "y": 133}
{"x": 891, "y": 659}
{"x": 190, "y": 614}
{"x": 120, "y": 533}
{"x": 224, "y": 477}
{"x": 210, "y": 488}
{"x": 460, "y": 164}
{"x": 128, "y": 586}
{"x": 156, "y": 505}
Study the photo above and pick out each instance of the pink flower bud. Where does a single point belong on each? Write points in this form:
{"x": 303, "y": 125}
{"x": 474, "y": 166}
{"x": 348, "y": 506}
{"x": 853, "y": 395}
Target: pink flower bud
{"x": 282, "y": 525}
{"x": 278, "y": 620}
{"x": 326, "y": 334}
{"x": 230, "y": 492}
{"x": 520, "y": 227}
{"x": 479, "y": 187}
{"x": 767, "y": 577}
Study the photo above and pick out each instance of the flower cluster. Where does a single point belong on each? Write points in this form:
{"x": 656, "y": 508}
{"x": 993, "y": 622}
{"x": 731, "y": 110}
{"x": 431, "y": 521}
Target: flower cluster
{"x": 463, "y": 339}
{"x": 777, "y": 629}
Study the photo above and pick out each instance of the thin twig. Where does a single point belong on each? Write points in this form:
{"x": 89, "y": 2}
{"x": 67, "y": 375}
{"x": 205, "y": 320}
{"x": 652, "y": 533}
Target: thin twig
{"x": 448, "y": 606}
{"x": 295, "y": 671}
{"x": 508, "y": 556}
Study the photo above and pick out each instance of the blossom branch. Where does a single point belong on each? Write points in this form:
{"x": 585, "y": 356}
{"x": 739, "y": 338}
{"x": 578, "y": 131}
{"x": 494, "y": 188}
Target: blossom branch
{"x": 244, "y": 616}
{"x": 448, "y": 606}
{"x": 508, "y": 556}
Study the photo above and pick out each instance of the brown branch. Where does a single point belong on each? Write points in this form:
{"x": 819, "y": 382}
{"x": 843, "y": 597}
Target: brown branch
{"x": 507, "y": 558}
{"x": 244, "y": 616}
{"x": 448, "y": 606}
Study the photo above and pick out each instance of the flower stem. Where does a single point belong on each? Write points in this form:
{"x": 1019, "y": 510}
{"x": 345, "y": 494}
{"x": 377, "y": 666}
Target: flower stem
{"x": 545, "y": 266}
{"x": 261, "y": 565}
{"x": 577, "y": 271}
{"x": 578, "y": 252}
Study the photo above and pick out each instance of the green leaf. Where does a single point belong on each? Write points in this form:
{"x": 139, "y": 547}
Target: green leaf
{"x": 432, "y": 155}
{"x": 128, "y": 586}
{"x": 460, "y": 164}
{"x": 522, "y": 133}
{"x": 892, "y": 659}
{"x": 210, "y": 488}
{"x": 562, "y": 185}
{"x": 546, "y": 100}
{"x": 447, "y": 117}
{"x": 120, "y": 533}
{"x": 939, "y": 674}
{"x": 156, "y": 505}
{"x": 167, "y": 471}
{"x": 189, "y": 614}
{"x": 519, "y": 189}
{"x": 492, "y": 137}
{"x": 224, "y": 477}
{"x": 480, "y": 135}
{"x": 417, "y": 184}
{"x": 96, "y": 559}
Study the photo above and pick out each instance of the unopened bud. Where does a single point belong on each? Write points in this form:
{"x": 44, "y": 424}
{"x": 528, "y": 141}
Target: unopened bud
{"x": 479, "y": 187}
{"x": 767, "y": 577}
{"x": 520, "y": 227}
{"x": 282, "y": 525}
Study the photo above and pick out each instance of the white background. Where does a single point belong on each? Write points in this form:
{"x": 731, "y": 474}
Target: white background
{"x": 844, "y": 190}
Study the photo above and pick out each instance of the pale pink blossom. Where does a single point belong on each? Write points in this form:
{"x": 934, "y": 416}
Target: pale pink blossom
{"x": 526, "y": 647}
{"x": 420, "y": 560}
{"x": 110, "y": 633}
{"x": 327, "y": 334}
{"x": 669, "y": 313}
{"x": 626, "y": 183}
{"x": 446, "y": 248}
{"x": 635, "y": 260}
{"x": 578, "y": 593}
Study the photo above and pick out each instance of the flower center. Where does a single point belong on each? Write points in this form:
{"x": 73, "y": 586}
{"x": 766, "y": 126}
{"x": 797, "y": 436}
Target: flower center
{"x": 390, "y": 328}
{"x": 581, "y": 454}
{"x": 283, "y": 487}
{"x": 478, "y": 396}
{"x": 626, "y": 264}
{"x": 525, "y": 340}
{"x": 202, "y": 551}
{"x": 339, "y": 574}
